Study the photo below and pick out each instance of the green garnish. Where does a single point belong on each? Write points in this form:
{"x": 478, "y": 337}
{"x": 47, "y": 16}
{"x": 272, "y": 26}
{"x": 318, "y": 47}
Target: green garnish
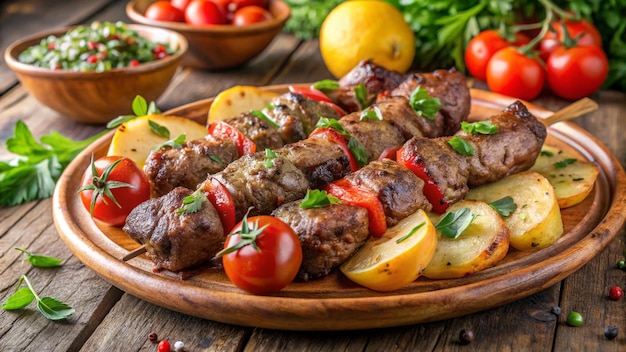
{"x": 158, "y": 129}
{"x": 33, "y": 172}
{"x": 140, "y": 108}
{"x": 461, "y": 146}
{"x": 358, "y": 151}
{"x": 325, "y": 122}
{"x": 51, "y": 308}
{"x": 453, "y": 224}
{"x": 411, "y": 233}
{"x": 248, "y": 237}
{"x": 318, "y": 199}
{"x": 372, "y": 113}
{"x": 175, "y": 143}
{"x": 504, "y": 206}
{"x": 40, "y": 261}
{"x": 361, "y": 94}
{"x": 192, "y": 203}
{"x": 269, "y": 157}
{"x": 326, "y": 84}
{"x": 563, "y": 163}
{"x": 479, "y": 127}
{"x": 423, "y": 104}
{"x": 263, "y": 116}
{"x": 546, "y": 153}
{"x": 216, "y": 158}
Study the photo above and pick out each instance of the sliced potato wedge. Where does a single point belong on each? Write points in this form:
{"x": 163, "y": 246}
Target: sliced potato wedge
{"x": 238, "y": 99}
{"x": 134, "y": 139}
{"x": 395, "y": 259}
{"x": 482, "y": 245}
{"x": 536, "y": 223}
{"x": 572, "y": 178}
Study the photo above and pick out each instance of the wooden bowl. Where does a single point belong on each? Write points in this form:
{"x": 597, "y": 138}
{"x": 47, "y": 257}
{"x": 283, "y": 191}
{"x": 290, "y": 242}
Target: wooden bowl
{"x": 219, "y": 46}
{"x": 97, "y": 97}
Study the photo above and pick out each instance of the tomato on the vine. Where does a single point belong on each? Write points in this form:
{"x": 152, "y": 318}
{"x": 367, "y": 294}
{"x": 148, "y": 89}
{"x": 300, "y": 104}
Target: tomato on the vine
{"x": 576, "y": 72}
{"x": 164, "y": 11}
{"x": 515, "y": 74}
{"x": 262, "y": 254}
{"x": 113, "y": 186}
{"x": 204, "y": 12}
{"x": 249, "y": 15}
{"x": 482, "y": 47}
{"x": 585, "y": 33}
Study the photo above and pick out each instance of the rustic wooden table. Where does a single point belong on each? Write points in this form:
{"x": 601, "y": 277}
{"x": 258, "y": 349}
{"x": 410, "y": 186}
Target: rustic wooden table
{"x": 107, "y": 319}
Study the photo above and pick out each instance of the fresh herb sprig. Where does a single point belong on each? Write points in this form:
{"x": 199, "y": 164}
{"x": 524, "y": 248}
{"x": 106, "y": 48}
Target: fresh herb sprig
{"x": 318, "y": 199}
{"x": 40, "y": 261}
{"x": 140, "y": 108}
{"x": 51, "y": 308}
{"x": 453, "y": 224}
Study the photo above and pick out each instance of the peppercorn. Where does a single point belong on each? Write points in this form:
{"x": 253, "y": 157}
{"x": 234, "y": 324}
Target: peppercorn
{"x": 556, "y": 310}
{"x": 153, "y": 337}
{"x": 466, "y": 336}
{"x": 616, "y": 293}
{"x": 610, "y": 332}
{"x": 575, "y": 319}
{"x": 179, "y": 346}
{"x": 621, "y": 264}
{"x": 163, "y": 346}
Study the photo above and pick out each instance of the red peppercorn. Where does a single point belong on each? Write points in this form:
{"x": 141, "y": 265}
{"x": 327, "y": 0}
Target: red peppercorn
{"x": 164, "y": 346}
{"x": 616, "y": 293}
{"x": 152, "y": 337}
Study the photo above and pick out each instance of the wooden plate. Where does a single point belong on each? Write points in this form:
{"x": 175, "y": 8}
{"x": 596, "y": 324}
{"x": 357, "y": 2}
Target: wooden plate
{"x": 334, "y": 303}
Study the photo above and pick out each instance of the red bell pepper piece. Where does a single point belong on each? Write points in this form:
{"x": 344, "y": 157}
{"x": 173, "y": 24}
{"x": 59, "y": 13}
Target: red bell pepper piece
{"x": 223, "y": 202}
{"x": 389, "y": 153}
{"x": 336, "y": 138}
{"x": 355, "y": 195}
{"x": 316, "y": 94}
{"x": 432, "y": 192}
{"x": 220, "y": 129}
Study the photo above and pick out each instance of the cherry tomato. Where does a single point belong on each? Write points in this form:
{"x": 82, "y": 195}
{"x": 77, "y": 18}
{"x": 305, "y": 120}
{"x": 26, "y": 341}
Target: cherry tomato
{"x": 222, "y": 200}
{"x": 249, "y": 15}
{"x": 261, "y": 255}
{"x": 180, "y": 4}
{"x": 225, "y": 6}
{"x": 355, "y": 195}
{"x": 482, "y": 47}
{"x": 238, "y": 4}
{"x": 576, "y": 72}
{"x": 588, "y": 32}
{"x": 164, "y": 11}
{"x": 221, "y": 129}
{"x": 204, "y": 12}
{"x": 103, "y": 195}
{"x": 514, "y": 74}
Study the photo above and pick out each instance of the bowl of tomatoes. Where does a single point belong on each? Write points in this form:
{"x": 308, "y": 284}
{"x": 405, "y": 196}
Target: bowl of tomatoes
{"x": 221, "y": 33}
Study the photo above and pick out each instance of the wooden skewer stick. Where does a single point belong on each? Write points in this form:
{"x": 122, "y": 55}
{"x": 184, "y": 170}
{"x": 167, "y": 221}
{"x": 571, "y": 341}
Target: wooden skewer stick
{"x": 572, "y": 111}
{"x": 134, "y": 253}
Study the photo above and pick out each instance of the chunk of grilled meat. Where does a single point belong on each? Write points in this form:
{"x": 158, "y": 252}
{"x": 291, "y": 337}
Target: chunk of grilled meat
{"x": 376, "y": 79}
{"x": 261, "y": 184}
{"x": 176, "y": 241}
{"x": 297, "y": 115}
{"x": 257, "y": 130}
{"x": 397, "y": 188}
{"x": 328, "y": 235}
{"x": 450, "y": 88}
{"x": 513, "y": 149}
{"x": 168, "y": 168}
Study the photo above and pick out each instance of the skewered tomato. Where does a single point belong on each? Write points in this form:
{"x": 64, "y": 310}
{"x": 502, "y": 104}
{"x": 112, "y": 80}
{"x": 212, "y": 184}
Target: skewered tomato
{"x": 113, "y": 186}
{"x": 354, "y": 195}
{"x": 221, "y": 129}
{"x": 315, "y": 94}
{"x": 261, "y": 255}
{"x": 432, "y": 192}
{"x": 482, "y": 47}
{"x": 222, "y": 200}
{"x": 336, "y": 138}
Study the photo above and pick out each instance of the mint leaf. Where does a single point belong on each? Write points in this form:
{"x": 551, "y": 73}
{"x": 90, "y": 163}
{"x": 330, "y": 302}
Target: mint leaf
{"x": 461, "y": 146}
{"x": 453, "y": 224}
{"x": 175, "y": 143}
{"x": 158, "y": 129}
{"x": 504, "y": 206}
{"x": 41, "y": 261}
{"x": 54, "y": 309}
{"x": 479, "y": 127}
{"x": 20, "y": 299}
{"x": 326, "y": 84}
{"x": 372, "y": 114}
{"x": 423, "y": 104}
{"x": 318, "y": 199}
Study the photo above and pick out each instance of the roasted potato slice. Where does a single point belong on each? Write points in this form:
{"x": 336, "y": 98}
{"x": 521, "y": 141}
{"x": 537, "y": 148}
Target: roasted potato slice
{"x": 135, "y": 138}
{"x": 239, "y": 99}
{"x": 572, "y": 177}
{"x": 482, "y": 245}
{"x": 536, "y": 223}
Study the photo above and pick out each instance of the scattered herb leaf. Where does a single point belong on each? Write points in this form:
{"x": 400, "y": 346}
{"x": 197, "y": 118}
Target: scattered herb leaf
{"x": 331, "y": 123}
{"x": 318, "y": 199}
{"x": 479, "y": 127}
{"x": 269, "y": 158}
{"x": 411, "y": 233}
{"x": 158, "y": 129}
{"x": 326, "y": 84}
{"x": 41, "y": 261}
{"x": 453, "y": 224}
{"x": 362, "y": 96}
{"x": 563, "y": 163}
{"x": 423, "y": 103}
{"x": 547, "y": 153}
{"x": 192, "y": 203}
{"x": 49, "y": 307}
{"x": 372, "y": 113}
{"x": 140, "y": 108}
{"x": 175, "y": 143}
{"x": 263, "y": 116}
{"x": 504, "y": 206}
{"x": 461, "y": 146}
{"x": 358, "y": 151}
{"x": 216, "y": 158}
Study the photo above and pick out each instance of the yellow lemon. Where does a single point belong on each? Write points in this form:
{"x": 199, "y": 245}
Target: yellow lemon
{"x": 397, "y": 258}
{"x": 361, "y": 29}
{"x": 238, "y": 99}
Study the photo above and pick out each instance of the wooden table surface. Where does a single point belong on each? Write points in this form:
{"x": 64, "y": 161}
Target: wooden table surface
{"x": 107, "y": 319}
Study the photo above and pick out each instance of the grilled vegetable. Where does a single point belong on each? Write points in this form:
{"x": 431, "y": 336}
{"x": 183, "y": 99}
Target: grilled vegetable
{"x": 237, "y": 100}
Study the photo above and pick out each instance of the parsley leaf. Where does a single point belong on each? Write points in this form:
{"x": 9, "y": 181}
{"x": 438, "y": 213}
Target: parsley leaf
{"x": 318, "y": 199}
{"x": 192, "y": 203}
{"x": 461, "y": 146}
{"x": 49, "y": 307}
{"x": 41, "y": 261}
{"x": 479, "y": 127}
{"x": 423, "y": 104}
{"x": 33, "y": 173}
{"x": 158, "y": 129}
{"x": 372, "y": 114}
{"x": 504, "y": 206}
{"x": 453, "y": 224}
